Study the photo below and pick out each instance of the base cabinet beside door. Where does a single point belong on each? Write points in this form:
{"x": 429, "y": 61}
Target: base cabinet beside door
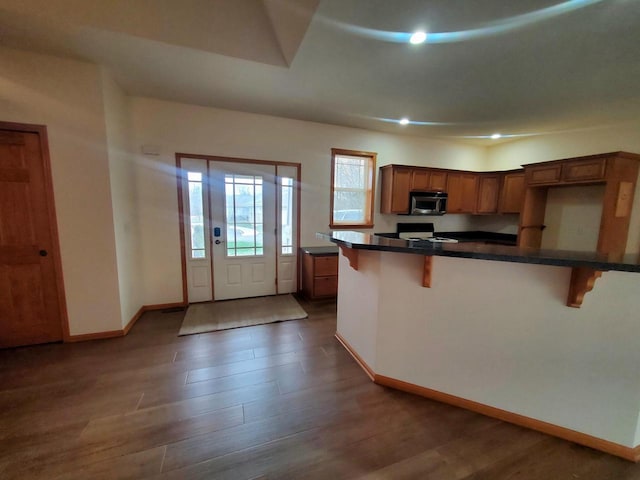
{"x": 319, "y": 272}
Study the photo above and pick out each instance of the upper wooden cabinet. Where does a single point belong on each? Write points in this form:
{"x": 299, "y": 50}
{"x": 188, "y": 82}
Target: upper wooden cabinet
{"x": 584, "y": 170}
{"x": 488, "y": 190}
{"x": 590, "y": 169}
{"x": 617, "y": 171}
{"x": 396, "y": 184}
{"x": 462, "y": 188}
{"x": 543, "y": 174}
{"x": 438, "y": 180}
{"x": 399, "y": 180}
{"x": 512, "y": 192}
{"x": 420, "y": 179}
{"x": 469, "y": 192}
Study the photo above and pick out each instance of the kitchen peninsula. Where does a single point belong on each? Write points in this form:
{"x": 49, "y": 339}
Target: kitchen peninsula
{"x": 493, "y": 332}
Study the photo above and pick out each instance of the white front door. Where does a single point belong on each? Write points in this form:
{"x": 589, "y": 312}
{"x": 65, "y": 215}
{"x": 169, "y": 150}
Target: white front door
{"x": 243, "y": 229}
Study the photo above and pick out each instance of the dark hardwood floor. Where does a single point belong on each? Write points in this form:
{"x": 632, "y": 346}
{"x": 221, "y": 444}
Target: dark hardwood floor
{"x": 273, "y": 401}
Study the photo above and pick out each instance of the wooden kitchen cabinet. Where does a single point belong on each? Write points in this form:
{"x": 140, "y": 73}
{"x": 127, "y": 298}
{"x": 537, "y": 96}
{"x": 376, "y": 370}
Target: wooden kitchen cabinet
{"x": 438, "y": 181}
{"x": 617, "y": 171}
{"x": 319, "y": 272}
{"x": 462, "y": 188}
{"x": 396, "y": 184}
{"x": 512, "y": 192}
{"x": 584, "y": 171}
{"x": 543, "y": 174}
{"x": 420, "y": 179}
{"x": 488, "y": 190}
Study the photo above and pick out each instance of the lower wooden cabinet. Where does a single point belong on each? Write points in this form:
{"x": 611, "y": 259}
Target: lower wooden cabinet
{"x": 319, "y": 272}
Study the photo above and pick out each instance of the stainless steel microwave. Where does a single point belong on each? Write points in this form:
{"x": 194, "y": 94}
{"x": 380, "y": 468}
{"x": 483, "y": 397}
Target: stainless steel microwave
{"x": 427, "y": 203}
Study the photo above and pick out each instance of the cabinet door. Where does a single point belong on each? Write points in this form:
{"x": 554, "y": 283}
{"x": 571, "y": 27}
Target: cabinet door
{"x": 401, "y": 187}
{"x": 325, "y": 265}
{"x": 543, "y": 174}
{"x": 463, "y": 191}
{"x": 420, "y": 179}
{"x": 488, "y": 189}
{"x": 438, "y": 181}
{"x": 583, "y": 171}
{"x": 512, "y": 194}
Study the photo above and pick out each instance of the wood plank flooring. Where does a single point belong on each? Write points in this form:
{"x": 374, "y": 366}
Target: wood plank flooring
{"x": 267, "y": 402}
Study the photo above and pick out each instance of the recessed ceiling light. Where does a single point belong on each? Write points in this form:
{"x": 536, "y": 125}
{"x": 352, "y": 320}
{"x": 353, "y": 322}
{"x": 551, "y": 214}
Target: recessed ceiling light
{"x": 418, "y": 37}
{"x": 404, "y": 121}
{"x": 496, "y": 136}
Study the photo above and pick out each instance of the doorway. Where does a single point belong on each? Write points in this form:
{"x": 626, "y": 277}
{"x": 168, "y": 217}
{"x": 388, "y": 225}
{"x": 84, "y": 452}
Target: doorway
{"x": 239, "y": 227}
{"x": 32, "y": 306}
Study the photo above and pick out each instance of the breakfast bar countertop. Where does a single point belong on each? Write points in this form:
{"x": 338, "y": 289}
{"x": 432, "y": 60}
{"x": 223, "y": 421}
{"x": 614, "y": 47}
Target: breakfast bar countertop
{"x": 502, "y": 253}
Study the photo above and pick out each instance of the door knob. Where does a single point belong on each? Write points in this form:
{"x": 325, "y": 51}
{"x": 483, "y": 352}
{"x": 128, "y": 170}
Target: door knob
{"x": 218, "y": 242}
{"x": 43, "y": 253}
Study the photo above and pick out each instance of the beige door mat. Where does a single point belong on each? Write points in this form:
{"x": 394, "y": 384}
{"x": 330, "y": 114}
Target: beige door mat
{"x": 225, "y": 314}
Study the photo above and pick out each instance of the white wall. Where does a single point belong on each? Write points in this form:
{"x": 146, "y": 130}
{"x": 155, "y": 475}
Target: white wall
{"x": 175, "y": 127}
{"x": 572, "y": 218}
{"x": 509, "y": 341}
{"x": 624, "y": 137}
{"x": 66, "y": 96}
{"x": 123, "y": 195}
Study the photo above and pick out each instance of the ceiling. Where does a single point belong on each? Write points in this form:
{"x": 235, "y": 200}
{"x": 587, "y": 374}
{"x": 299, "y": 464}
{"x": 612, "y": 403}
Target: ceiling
{"x": 519, "y": 68}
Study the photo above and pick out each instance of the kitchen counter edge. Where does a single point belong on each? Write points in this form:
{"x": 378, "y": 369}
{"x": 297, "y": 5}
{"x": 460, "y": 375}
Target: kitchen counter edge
{"x": 501, "y": 253}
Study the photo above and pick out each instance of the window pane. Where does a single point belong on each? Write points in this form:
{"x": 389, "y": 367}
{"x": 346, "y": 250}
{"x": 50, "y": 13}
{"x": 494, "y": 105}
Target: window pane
{"x": 350, "y": 173}
{"x": 197, "y": 236}
{"x": 349, "y": 207}
{"x": 243, "y": 209}
{"x": 194, "y": 176}
{"x": 286, "y": 216}
{"x": 196, "y": 217}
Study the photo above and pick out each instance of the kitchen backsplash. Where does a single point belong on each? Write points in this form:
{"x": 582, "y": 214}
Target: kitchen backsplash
{"x": 453, "y": 223}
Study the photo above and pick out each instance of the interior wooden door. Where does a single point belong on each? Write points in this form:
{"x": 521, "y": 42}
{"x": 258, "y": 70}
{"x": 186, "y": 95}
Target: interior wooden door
{"x": 29, "y": 301}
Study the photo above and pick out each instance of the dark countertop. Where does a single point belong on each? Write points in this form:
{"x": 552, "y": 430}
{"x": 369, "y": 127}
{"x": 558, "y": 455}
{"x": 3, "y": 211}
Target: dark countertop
{"x": 330, "y": 250}
{"x": 501, "y": 253}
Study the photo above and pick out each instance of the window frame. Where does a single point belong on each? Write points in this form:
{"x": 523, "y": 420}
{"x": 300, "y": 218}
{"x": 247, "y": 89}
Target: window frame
{"x": 370, "y": 191}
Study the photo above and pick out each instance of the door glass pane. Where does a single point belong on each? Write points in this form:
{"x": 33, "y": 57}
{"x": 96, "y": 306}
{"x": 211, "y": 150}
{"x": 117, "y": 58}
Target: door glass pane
{"x": 243, "y": 209}
{"x": 196, "y": 215}
{"x": 286, "y": 216}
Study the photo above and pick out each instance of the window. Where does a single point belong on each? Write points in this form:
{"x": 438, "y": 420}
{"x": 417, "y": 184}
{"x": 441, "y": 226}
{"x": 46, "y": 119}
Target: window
{"x": 196, "y": 214}
{"x": 352, "y": 188}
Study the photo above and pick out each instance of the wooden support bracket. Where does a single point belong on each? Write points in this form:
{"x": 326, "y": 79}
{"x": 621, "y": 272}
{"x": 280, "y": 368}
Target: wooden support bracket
{"x": 582, "y": 281}
{"x": 352, "y": 255}
{"x": 426, "y": 275}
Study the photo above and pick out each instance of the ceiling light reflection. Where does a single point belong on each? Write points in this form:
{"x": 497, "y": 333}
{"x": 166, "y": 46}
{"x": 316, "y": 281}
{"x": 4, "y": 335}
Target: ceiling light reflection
{"x": 406, "y": 121}
{"x": 491, "y": 28}
{"x": 417, "y": 38}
